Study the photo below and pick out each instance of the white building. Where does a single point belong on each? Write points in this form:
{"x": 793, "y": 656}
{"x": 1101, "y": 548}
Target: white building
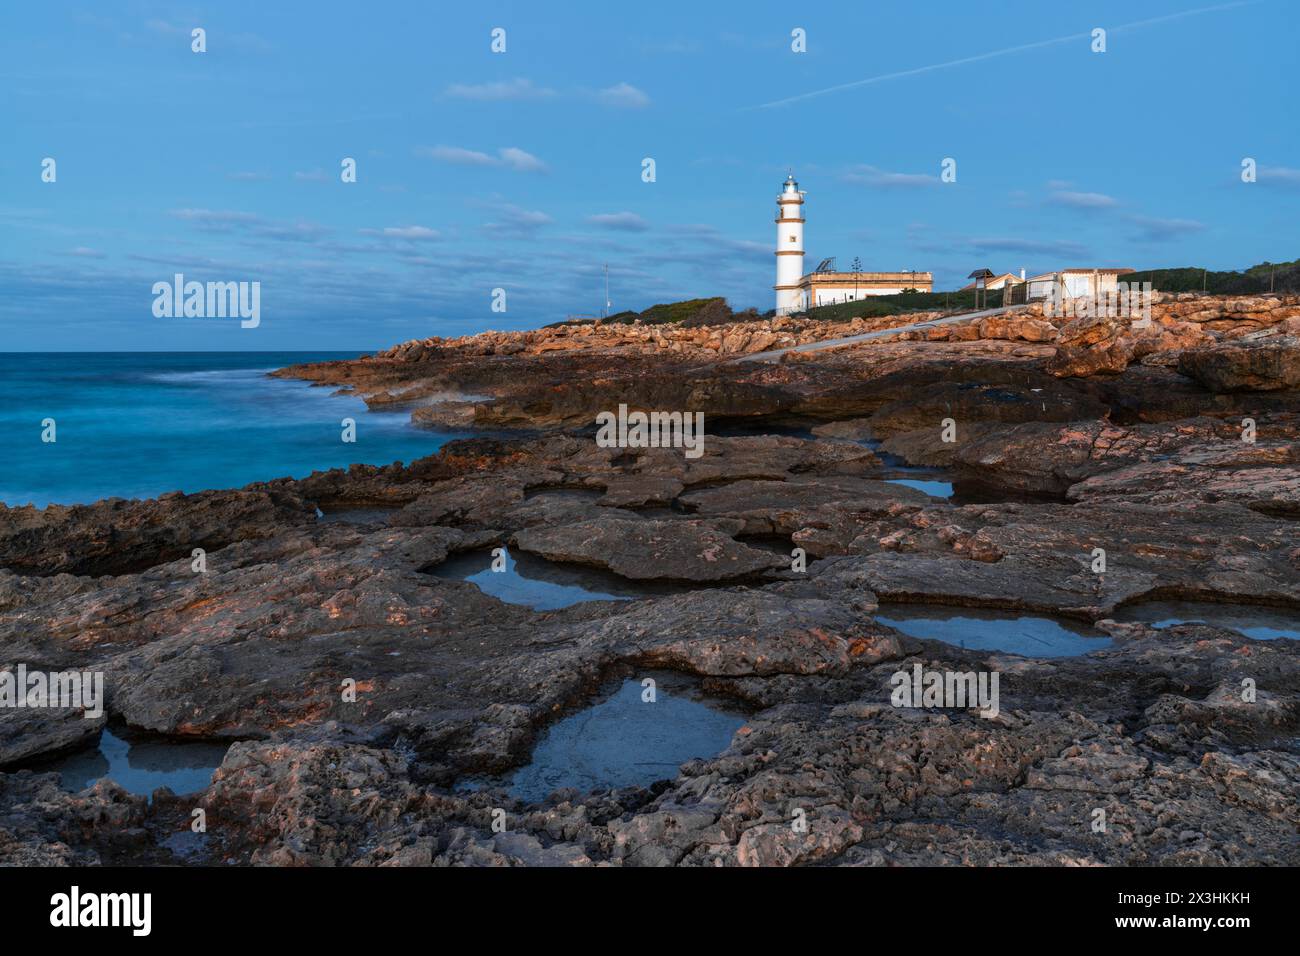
{"x": 797, "y": 292}
{"x": 1076, "y": 282}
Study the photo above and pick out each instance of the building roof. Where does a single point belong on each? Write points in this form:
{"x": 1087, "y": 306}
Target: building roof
{"x": 868, "y": 276}
{"x": 1108, "y": 270}
{"x": 991, "y": 278}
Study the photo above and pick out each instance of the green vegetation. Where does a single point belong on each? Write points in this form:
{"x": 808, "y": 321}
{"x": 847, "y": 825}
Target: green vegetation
{"x": 691, "y": 312}
{"x": 1285, "y": 277}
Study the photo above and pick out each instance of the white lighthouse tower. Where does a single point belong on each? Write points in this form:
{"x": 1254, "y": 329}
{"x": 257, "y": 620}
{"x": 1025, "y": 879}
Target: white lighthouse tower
{"x": 789, "y": 247}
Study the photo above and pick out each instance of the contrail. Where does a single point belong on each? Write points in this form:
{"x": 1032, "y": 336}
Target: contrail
{"x": 993, "y": 53}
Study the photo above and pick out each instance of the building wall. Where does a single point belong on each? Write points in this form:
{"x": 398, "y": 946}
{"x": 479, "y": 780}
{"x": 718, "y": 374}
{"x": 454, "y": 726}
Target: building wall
{"x": 833, "y": 295}
{"x": 1075, "y": 284}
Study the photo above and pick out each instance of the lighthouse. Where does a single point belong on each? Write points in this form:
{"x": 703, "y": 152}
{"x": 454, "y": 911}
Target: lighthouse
{"x": 789, "y": 247}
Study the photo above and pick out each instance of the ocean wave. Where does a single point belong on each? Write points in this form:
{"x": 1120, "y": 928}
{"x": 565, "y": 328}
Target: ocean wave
{"x": 202, "y": 376}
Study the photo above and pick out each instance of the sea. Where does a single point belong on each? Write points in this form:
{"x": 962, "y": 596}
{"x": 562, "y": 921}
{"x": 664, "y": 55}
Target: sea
{"x": 140, "y": 424}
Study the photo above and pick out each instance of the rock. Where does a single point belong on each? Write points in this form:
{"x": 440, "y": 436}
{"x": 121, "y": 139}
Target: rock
{"x": 1266, "y": 364}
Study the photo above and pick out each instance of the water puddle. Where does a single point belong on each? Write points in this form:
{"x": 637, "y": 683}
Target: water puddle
{"x": 140, "y": 763}
{"x": 625, "y": 741}
{"x": 983, "y": 630}
{"x": 543, "y": 585}
{"x": 1260, "y": 623}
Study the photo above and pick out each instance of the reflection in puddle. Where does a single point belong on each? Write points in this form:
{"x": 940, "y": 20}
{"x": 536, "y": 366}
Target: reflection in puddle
{"x": 937, "y": 489}
{"x": 140, "y": 764}
{"x": 355, "y": 516}
{"x": 1260, "y": 623}
{"x": 543, "y": 585}
{"x": 625, "y": 741}
{"x": 984, "y": 630}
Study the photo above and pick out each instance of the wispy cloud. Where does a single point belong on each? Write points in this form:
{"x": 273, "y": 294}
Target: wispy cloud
{"x": 508, "y": 157}
{"x": 884, "y": 179}
{"x": 620, "y": 221}
{"x": 1054, "y": 247}
{"x": 516, "y": 89}
{"x": 251, "y": 225}
{"x": 1078, "y": 200}
{"x": 515, "y": 221}
{"x": 1153, "y": 229}
{"x": 411, "y": 233}
{"x": 623, "y": 96}
{"x": 216, "y": 220}
{"x": 1279, "y": 176}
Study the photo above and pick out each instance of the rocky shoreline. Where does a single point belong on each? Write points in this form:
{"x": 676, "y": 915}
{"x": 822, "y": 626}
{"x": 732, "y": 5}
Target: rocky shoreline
{"x": 1172, "y": 447}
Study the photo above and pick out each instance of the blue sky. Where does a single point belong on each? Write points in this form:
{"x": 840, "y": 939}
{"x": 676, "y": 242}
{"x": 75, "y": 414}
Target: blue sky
{"x": 522, "y": 170}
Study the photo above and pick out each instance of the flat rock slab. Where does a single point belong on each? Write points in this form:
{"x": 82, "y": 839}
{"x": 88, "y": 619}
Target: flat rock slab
{"x": 27, "y": 732}
{"x": 644, "y": 550}
{"x": 802, "y": 494}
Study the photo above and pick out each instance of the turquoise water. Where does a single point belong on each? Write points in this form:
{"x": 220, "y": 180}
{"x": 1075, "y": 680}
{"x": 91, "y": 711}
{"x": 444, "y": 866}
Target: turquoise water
{"x": 136, "y": 425}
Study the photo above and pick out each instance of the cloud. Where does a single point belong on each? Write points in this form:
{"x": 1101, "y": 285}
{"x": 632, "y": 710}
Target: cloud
{"x": 253, "y": 226}
{"x": 85, "y": 252}
{"x": 1053, "y": 247}
{"x": 1151, "y": 229}
{"x": 1279, "y": 176}
{"x": 521, "y": 161}
{"x": 509, "y": 157}
{"x": 413, "y": 233}
{"x": 516, "y": 89}
{"x": 312, "y": 176}
{"x": 458, "y": 156}
{"x": 621, "y": 221}
{"x": 249, "y": 177}
{"x": 291, "y": 231}
{"x": 247, "y": 42}
{"x": 216, "y": 220}
{"x": 883, "y": 179}
{"x": 623, "y": 96}
{"x": 512, "y": 220}
{"x": 1078, "y": 200}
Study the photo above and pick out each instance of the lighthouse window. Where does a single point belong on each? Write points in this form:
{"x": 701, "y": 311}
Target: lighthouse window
{"x": 793, "y": 239}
